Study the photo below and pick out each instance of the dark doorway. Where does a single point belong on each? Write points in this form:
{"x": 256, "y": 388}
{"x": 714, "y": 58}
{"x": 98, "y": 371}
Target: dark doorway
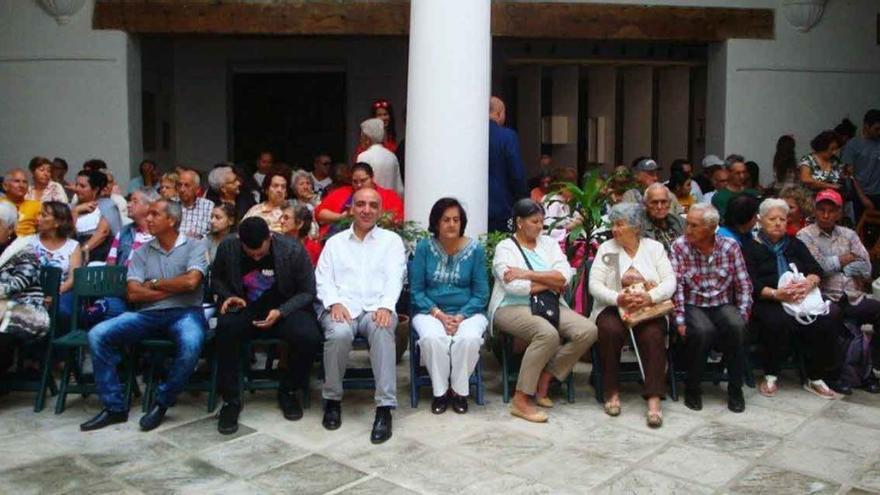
{"x": 293, "y": 115}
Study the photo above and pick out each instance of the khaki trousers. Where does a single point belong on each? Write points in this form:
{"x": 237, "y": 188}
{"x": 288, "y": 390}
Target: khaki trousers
{"x": 557, "y": 351}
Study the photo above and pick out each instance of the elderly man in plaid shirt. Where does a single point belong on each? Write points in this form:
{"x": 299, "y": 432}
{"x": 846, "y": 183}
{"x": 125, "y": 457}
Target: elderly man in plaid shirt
{"x": 712, "y": 302}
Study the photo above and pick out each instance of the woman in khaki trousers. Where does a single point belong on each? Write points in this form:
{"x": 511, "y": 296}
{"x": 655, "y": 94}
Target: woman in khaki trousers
{"x": 552, "y": 352}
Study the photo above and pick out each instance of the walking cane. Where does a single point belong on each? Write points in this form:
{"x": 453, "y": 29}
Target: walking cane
{"x": 613, "y": 259}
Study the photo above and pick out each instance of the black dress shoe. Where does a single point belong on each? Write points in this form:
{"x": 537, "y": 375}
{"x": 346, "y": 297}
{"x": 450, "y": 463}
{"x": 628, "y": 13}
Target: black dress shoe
{"x": 438, "y": 406}
{"x": 840, "y": 387}
{"x": 227, "y": 424}
{"x": 381, "y": 425}
{"x": 289, "y": 405}
{"x": 153, "y": 419}
{"x": 872, "y": 385}
{"x": 104, "y": 418}
{"x": 693, "y": 400}
{"x": 735, "y": 400}
{"x": 460, "y": 404}
{"x": 332, "y": 415}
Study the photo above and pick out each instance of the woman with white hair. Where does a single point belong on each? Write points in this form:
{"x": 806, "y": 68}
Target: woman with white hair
{"x": 768, "y": 256}
{"x": 621, "y": 262}
{"x": 224, "y": 187}
{"x": 21, "y": 298}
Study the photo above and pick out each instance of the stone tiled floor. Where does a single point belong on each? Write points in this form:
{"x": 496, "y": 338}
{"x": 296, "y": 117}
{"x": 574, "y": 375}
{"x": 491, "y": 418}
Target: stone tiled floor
{"x": 793, "y": 443}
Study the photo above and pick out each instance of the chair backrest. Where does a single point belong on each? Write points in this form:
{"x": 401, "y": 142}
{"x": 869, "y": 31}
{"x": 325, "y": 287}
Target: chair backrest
{"x": 50, "y": 282}
{"x": 92, "y": 282}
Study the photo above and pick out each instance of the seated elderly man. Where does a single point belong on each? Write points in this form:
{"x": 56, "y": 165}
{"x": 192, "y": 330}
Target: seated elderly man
{"x": 847, "y": 271}
{"x": 165, "y": 280}
{"x": 359, "y": 277}
{"x": 646, "y": 172}
{"x": 15, "y": 185}
{"x": 196, "y": 221}
{"x": 712, "y": 302}
{"x": 658, "y": 223}
{"x": 225, "y": 187}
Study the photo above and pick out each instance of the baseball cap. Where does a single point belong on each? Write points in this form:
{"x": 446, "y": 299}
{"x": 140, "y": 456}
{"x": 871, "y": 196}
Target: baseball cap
{"x": 712, "y": 161}
{"x": 829, "y": 195}
{"x": 647, "y": 165}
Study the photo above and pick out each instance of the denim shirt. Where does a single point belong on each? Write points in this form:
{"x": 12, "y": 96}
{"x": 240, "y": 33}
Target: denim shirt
{"x": 457, "y": 284}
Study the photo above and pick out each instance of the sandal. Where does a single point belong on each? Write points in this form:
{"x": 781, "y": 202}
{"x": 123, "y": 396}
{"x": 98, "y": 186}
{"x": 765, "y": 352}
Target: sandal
{"x": 768, "y": 388}
{"x": 536, "y": 417}
{"x": 655, "y": 419}
{"x": 544, "y": 402}
{"x": 612, "y": 408}
{"x": 818, "y": 387}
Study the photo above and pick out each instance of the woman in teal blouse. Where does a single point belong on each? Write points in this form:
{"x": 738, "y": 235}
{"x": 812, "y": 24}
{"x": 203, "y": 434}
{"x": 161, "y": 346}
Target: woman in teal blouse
{"x": 450, "y": 289}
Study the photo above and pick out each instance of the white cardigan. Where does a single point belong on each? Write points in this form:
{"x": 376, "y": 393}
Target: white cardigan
{"x": 650, "y": 260}
{"x": 507, "y": 255}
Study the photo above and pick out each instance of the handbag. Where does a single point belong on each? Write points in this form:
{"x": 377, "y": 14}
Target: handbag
{"x": 811, "y": 307}
{"x": 631, "y": 319}
{"x": 545, "y": 303}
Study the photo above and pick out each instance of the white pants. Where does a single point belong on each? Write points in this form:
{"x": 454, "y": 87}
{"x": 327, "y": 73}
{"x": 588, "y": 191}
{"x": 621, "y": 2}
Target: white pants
{"x": 450, "y": 359}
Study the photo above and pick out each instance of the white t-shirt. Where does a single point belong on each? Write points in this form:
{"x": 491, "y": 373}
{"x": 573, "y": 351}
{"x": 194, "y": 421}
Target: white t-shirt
{"x": 59, "y": 257}
{"x": 89, "y": 222}
{"x": 322, "y": 184}
{"x": 386, "y": 169}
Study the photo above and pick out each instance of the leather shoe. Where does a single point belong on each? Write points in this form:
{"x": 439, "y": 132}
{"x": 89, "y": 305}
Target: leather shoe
{"x": 693, "y": 400}
{"x": 332, "y": 415}
{"x": 872, "y": 385}
{"x": 735, "y": 401}
{"x": 104, "y": 418}
{"x": 153, "y": 419}
{"x": 227, "y": 423}
{"x": 840, "y": 387}
{"x": 438, "y": 405}
{"x": 289, "y": 405}
{"x": 460, "y": 404}
{"x": 381, "y": 425}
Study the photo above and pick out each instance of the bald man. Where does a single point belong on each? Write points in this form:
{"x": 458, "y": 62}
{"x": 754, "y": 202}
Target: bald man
{"x": 507, "y": 176}
{"x": 359, "y": 278}
{"x": 15, "y": 185}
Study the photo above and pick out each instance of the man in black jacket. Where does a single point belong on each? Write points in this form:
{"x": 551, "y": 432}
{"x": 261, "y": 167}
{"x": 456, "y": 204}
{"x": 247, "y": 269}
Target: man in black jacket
{"x": 266, "y": 286}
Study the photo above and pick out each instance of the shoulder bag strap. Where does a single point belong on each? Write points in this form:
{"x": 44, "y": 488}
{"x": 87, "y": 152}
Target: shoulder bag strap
{"x": 523, "y": 253}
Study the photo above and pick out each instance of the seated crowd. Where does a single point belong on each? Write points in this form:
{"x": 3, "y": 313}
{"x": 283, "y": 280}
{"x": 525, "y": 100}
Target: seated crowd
{"x": 311, "y": 259}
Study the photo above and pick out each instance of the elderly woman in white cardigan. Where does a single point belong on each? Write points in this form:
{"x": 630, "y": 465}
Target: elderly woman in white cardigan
{"x": 552, "y": 352}
{"x": 625, "y": 259}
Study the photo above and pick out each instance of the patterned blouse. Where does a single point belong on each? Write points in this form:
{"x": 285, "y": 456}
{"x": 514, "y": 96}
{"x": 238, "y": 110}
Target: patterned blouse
{"x": 53, "y": 192}
{"x": 271, "y": 214}
{"x": 21, "y": 295}
{"x": 833, "y": 176}
{"x": 457, "y": 284}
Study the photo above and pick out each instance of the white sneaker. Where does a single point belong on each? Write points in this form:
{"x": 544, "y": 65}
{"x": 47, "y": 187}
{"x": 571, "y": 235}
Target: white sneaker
{"x": 818, "y": 387}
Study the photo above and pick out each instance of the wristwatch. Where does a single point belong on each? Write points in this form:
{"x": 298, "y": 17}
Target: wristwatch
{"x": 154, "y": 283}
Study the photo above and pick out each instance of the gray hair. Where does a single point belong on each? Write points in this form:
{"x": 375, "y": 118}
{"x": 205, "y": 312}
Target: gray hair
{"x": 655, "y": 186}
{"x": 173, "y": 210}
{"x": 772, "y": 204}
{"x": 710, "y": 214}
{"x": 301, "y": 174}
{"x": 218, "y": 177}
{"x": 197, "y": 177}
{"x": 8, "y": 215}
{"x": 374, "y": 129}
{"x": 631, "y": 213}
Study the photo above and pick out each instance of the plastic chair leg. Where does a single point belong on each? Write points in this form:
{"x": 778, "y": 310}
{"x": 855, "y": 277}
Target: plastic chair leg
{"x": 505, "y": 373}
{"x": 65, "y": 381}
{"x": 670, "y": 366}
{"x": 46, "y": 375}
{"x": 480, "y": 387}
{"x": 413, "y": 373}
{"x": 569, "y": 385}
{"x": 596, "y": 376}
{"x": 212, "y": 392}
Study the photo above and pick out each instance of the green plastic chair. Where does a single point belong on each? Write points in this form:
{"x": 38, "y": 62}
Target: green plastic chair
{"x": 89, "y": 283}
{"x": 267, "y": 378}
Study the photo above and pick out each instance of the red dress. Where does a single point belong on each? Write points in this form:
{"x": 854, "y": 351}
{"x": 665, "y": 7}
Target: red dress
{"x": 340, "y": 199}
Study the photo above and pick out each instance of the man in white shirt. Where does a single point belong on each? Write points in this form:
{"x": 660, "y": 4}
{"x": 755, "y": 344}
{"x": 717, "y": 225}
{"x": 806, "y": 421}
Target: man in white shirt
{"x": 384, "y": 162}
{"x": 321, "y": 173}
{"x": 359, "y": 278}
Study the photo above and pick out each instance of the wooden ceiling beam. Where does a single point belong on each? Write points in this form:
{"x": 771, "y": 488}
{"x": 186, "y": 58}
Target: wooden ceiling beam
{"x": 533, "y": 20}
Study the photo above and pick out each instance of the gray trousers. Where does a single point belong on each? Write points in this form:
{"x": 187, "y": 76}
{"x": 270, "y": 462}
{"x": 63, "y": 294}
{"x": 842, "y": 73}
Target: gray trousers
{"x": 337, "y": 346}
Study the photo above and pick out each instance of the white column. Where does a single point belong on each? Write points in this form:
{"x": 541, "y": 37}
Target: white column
{"x": 447, "y": 132}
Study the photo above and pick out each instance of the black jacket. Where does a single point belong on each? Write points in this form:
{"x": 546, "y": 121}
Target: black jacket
{"x": 762, "y": 263}
{"x": 294, "y": 274}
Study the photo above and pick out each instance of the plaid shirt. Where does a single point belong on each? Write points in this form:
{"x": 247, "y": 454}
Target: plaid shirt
{"x": 196, "y": 221}
{"x": 710, "y": 281}
{"x": 827, "y": 249}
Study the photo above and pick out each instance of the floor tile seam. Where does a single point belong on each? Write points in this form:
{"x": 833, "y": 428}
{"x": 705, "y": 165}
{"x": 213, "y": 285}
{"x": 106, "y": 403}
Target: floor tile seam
{"x": 806, "y": 472}
{"x": 777, "y": 443}
{"x": 679, "y": 478}
{"x": 511, "y": 469}
{"x": 363, "y": 479}
{"x": 124, "y": 472}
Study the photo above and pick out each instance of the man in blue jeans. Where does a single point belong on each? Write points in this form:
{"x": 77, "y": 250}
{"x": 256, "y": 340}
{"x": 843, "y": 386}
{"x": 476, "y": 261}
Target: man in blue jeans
{"x": 165, "y": 284}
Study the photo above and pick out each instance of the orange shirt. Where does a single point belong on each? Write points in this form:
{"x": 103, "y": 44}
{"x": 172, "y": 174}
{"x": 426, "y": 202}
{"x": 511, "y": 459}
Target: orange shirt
{"x": 28, "y": 210}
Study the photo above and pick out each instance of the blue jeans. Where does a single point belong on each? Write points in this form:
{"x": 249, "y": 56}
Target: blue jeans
{"x": 185, "y": 326}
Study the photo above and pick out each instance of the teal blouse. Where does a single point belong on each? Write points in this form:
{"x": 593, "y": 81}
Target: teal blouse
{"x": 457, "y": 284}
